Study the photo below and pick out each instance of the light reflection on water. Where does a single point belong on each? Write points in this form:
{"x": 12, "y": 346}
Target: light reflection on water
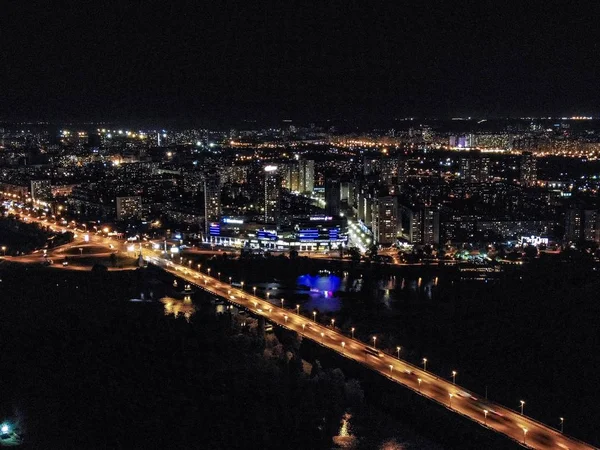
{"x": 323, "y": 290}
{"x": 176, "y": 307}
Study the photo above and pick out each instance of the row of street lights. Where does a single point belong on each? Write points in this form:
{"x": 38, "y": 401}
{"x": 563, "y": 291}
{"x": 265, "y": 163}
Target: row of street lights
{"x": 398, "y": 349}
{"x": 352, "y": 330}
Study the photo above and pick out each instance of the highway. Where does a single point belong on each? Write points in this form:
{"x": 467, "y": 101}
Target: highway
{"x": 511, "y": 423}
{"x": 520, "y": 428}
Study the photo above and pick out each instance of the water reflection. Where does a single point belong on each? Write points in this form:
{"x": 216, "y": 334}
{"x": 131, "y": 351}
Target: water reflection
{"x": 323, "y": 291}
{"x": 327, "y": 292}
{"x": 175, "y": 307}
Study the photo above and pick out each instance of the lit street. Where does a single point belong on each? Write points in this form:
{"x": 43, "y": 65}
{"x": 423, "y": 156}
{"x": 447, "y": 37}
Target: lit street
{"x": 495, "y": 417}
{"x": 498, "y": 418}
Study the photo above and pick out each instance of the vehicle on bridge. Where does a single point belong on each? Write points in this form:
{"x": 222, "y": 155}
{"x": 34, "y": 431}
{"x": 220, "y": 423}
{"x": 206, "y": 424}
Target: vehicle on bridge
{"x": 373, "y": 351}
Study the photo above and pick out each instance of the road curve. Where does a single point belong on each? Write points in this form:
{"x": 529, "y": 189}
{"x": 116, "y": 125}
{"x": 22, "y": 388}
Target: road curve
{"x": 522, "y": 429}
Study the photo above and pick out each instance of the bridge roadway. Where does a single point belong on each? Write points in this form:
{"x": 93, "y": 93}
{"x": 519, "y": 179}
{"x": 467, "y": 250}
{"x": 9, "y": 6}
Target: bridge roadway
{"x": 520, "y": 428}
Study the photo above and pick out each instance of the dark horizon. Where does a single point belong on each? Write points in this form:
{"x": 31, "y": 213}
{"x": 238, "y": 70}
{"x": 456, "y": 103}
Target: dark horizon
{"x": 341, "y": 61}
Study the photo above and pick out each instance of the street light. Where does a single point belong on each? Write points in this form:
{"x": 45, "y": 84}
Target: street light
{"x": 451, "y": 395}
{"x": 242, "y": 283}
{"x": 562, "y": 424}
{"x": 208, "y": 270}
{"x": 425, "y": 364}
{"x": 485, "y": 413}
{"x": 398, "y": 351}
{"x": 4, "y": 429}
{"x": 419, "y": 380}
{"x": 303, "y": 327}
{"x": 254, "y": 289}
{"x": 391, "y": 369}
{"x": 333, "y": 323}
{"x": 454, "y": 377}
{"x": 352, "y": 332}
{"x": 4, "y": 250}
{"x": 524, "y": 434}
{"x": 374, "y": 341}
{"x": 315, "y": 316}
{"x": 522, "y": 404}
{"x": 285, "y": 317}
{"x": 343, "y": 345}
{"x": 322, "y": 336}
{"x": 297, "y": 309}
{"x": 219, "y": 274}
{"x": 229, "y": 277}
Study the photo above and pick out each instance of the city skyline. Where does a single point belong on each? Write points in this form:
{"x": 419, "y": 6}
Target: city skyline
{"x": 299, "y": 225}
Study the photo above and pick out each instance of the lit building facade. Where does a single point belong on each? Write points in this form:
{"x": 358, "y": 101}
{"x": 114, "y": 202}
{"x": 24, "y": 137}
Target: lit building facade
{"x": 272, "y": 195}
{"x": 129, "y": 207}
{"x": 212, "y": 199}
{"x": 475, "y": 168}
{"x": 528, "y": 175}
{"x": 385, "y": 220}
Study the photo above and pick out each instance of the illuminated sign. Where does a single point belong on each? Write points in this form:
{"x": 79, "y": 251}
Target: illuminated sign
{"x": 267, "y": 235}
{"x": 270, "y": 168}
{"x": 533, "y": 240}
{"x": 232, "y": 221}
{"x": 214, "y": 229}
{"x": 308, "y": 235}
{"x": 323, "y": 218}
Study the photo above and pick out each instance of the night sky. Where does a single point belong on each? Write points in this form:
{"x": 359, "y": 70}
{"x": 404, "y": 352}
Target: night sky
{"x": 224, "y": 60}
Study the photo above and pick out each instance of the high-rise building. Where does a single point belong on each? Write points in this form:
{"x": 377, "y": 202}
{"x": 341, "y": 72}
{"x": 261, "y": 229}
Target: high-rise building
{"x": 388, "y": 170}
{"x": 410, "y": 220}
{"x": 385, "y": 220}
{"x": 272, "y": 195}
{"x": 212, "y": 199}
{"x": 41, "y": 190}
{"x": 475, "y": 168}
{"x": 364, "y": 196}
{"x": 591, "y": 225}
{"x": 300, "y": 176}
{"x": 292, "y": 177}
{"x": 528, "y": 169}
{"x": 234, "y": 174}
{"x": 431, "y": 225}
{"x": 129, "y": 207}
{"x": 307, "y": 175}
{"x": 573, "y": 225}
{"x": 332, "y": 197}
{"x": 347, "y": 193}
{"x": 367, "y": 166}
{"x": 420, "y": 225}
{"x": 403, "y": 170}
